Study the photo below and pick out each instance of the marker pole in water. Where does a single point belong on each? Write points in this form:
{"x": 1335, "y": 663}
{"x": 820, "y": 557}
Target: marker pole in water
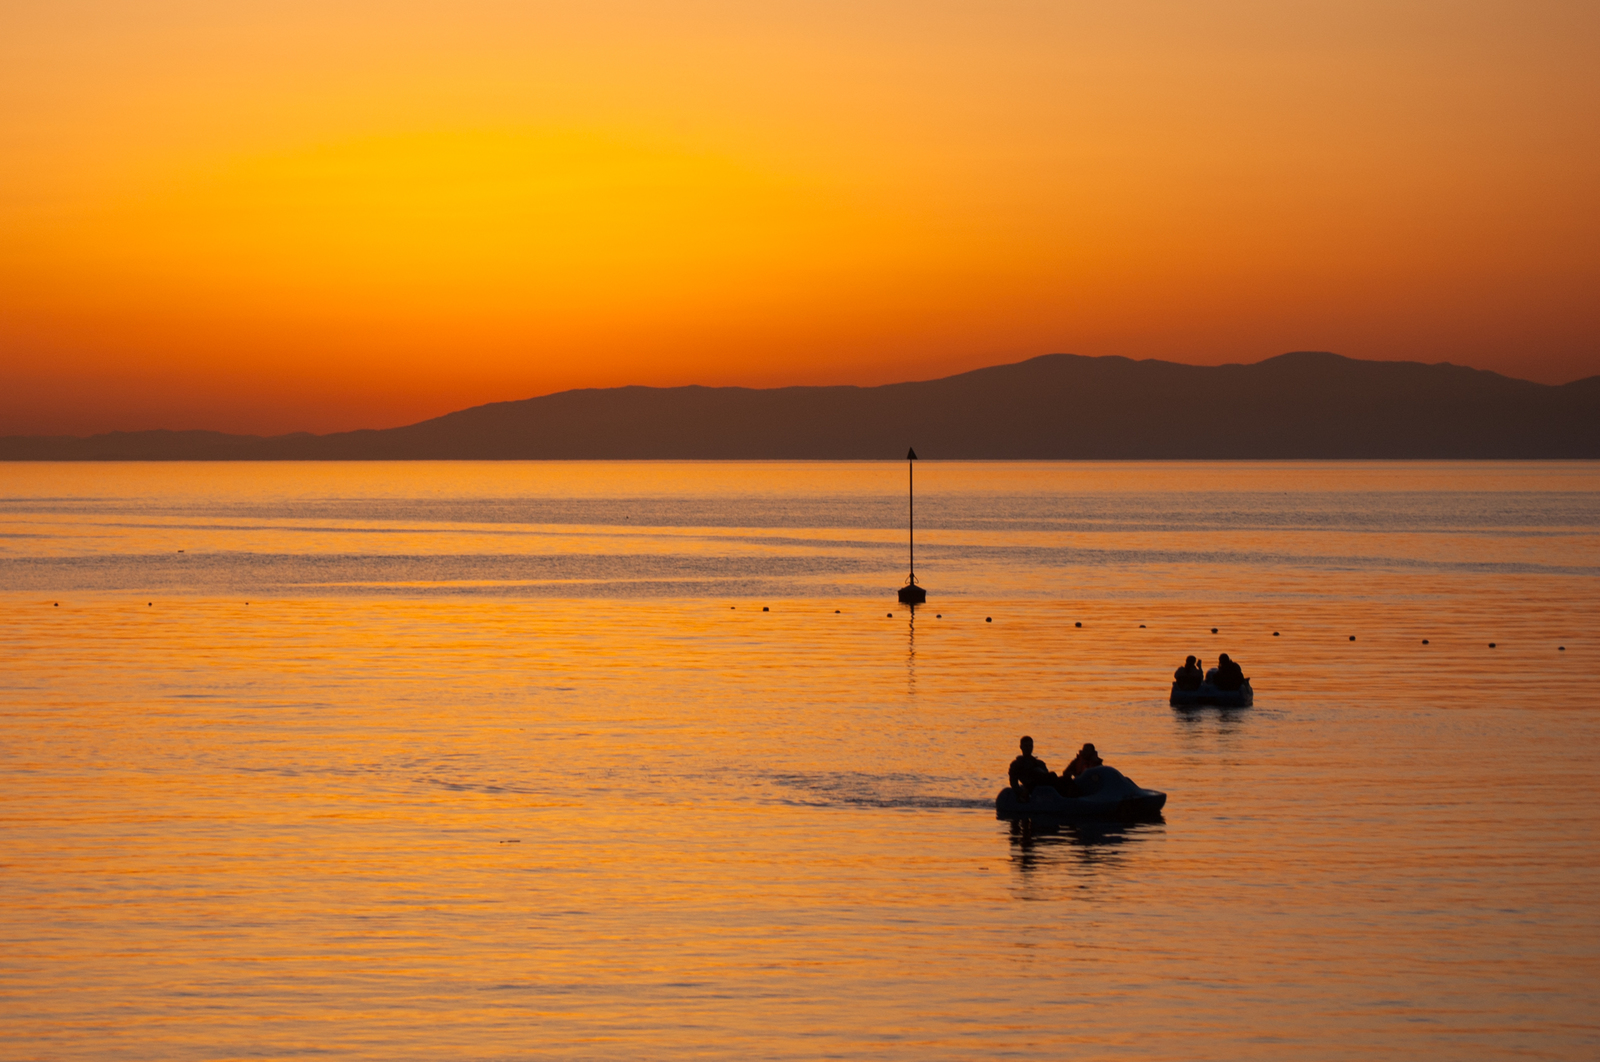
{"x": 911, "y": 593}
{"x": 911, "y": 511}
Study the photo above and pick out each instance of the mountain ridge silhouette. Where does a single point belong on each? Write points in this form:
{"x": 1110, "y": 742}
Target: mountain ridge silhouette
{"x": 1304, "y": 404}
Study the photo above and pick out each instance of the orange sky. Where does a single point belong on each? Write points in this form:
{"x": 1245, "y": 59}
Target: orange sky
{"x": 300, "y": 215}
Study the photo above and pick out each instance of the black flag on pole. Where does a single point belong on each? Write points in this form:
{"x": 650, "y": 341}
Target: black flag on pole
{"x": 911, "y": 455}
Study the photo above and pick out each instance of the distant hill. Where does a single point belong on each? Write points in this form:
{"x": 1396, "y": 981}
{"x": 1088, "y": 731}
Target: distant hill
{"x": 1302, "y": 405}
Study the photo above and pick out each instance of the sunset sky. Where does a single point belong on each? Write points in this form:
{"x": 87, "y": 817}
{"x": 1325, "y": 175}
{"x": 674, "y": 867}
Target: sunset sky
{"x": 268, "y": 217}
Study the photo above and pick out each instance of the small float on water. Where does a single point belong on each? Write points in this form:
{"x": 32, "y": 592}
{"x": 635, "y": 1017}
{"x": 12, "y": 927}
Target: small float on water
{"x": 1098, "y": 793}
{"x": 1208, "y": 694}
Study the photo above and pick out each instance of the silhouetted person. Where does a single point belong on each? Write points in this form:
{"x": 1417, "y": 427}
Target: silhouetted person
{"x": 1028, "y": 770}
{"x": 1087, "y": 757}
{"x": 1189, "y": 676}
{"x": 1230, "y": 676}
{"x": 1067, "y": 784}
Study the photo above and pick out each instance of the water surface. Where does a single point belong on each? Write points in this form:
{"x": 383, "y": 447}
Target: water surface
{"x": 504, "y": 760}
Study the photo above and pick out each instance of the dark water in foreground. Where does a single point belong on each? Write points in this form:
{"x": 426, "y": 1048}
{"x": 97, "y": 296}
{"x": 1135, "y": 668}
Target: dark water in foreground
{"x": 506, "y": 760}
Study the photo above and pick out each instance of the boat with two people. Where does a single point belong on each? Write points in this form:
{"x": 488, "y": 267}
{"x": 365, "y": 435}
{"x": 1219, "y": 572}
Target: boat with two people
{"x": 1224, "y": 686}
{"x": 1087, "y": 789}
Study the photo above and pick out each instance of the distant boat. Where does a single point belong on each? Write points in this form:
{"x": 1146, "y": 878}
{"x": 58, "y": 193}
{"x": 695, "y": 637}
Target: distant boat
{"x": 912, "y": 593}
{"x": 1207, "y": 694}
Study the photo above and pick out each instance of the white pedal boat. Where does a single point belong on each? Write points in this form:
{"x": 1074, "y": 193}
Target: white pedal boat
{"x": 1207, "y": 694}
{"x": 1100, "y": 793}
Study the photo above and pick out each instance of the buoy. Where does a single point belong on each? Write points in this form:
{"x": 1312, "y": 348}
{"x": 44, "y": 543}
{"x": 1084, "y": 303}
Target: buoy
{"x": 149, "y": 604}
{"x": 1491, "y": 645}
{"x": 1561, "y": 648}
{"x": 1213, "y": 630}
{"x": 1424, "y": 641}
{"x": 889, "y": 614}
{"x": 835, "y": 612}
{"x": 988, "y": 619}
{"x": 58, "y": 604}
{"x": 1352, "y": 637}
{"x": 1077, "y": 624}
{"x": 940, "y": 615}
{"x": 912, "y": 593}
{"x": 1141, "y": 626}
{"x": 763, "y": 608}
{"x": 1274, "y": 634}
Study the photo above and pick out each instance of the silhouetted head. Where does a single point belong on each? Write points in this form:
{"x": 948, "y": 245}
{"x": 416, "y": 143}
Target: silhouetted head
{"x": 1027, "y": 746}
{"x": 1188, "y": 662}
{"x": 1223, "y": 659}
{"x": 1088, "y": 749}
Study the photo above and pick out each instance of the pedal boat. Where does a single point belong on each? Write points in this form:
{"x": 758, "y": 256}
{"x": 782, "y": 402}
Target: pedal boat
{"x": 1207, "y": 695}
{"x": 1099, "y": 793}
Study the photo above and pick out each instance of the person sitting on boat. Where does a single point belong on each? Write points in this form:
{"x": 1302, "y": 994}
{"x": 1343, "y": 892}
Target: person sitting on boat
{"x": 1189, "y": 676}
{"x": 1028, "y": 770}
{"x": 1067, "y": 784}
{"x": 1229, "y": 676}
{"x": 1087, "y": 757}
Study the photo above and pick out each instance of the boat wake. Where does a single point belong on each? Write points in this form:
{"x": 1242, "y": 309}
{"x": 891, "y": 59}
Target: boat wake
{"x": 858, "y": 789}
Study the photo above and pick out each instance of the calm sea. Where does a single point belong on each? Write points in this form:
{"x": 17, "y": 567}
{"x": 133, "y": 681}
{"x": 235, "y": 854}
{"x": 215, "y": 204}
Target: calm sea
{"x": 643, "y": 760}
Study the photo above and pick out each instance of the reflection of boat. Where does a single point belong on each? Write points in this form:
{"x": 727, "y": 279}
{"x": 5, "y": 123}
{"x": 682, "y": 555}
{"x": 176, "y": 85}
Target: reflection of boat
{"x": 1099, "y": 793}
{"x": 1080, "y": 833}
{"x": 1208, "y": 694}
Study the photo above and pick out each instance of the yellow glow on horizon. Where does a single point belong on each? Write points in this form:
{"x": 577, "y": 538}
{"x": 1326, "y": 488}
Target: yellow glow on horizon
{"x": 468, "y": 221}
